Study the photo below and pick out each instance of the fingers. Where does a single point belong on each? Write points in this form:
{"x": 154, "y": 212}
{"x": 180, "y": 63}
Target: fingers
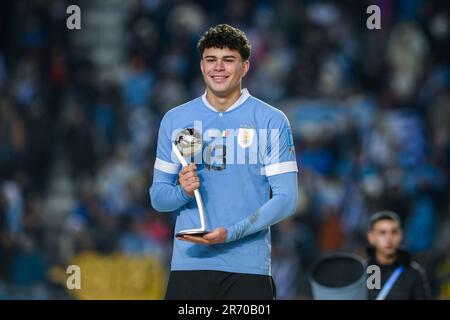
{"x": 193, "y": 239}
{"x": 210, "y": 236}
{"x": 189, "y": 179}
{"x": 188, "y": 174}
{"x": 192, "y": 187}
{"x": 191, "y": 183}
{"x": 218, "y": 235}
{"x": 188, "y": 169}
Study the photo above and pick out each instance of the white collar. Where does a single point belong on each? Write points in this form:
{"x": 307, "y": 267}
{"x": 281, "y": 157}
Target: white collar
{"x": 244, "y": 96}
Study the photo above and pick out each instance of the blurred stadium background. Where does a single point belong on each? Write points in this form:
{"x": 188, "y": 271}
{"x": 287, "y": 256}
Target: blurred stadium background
{"x": 79, "y": 113}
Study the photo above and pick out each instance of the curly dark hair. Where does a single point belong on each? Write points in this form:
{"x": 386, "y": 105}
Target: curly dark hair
{"x": 225, "y": 36}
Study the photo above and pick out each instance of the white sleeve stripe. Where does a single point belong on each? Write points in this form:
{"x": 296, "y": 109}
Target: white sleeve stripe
{"x": 166, "y": 167}
{"x": 279, "y": 168}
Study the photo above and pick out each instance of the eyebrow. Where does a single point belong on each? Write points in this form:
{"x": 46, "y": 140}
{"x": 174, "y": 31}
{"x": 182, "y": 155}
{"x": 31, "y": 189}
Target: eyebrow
{"x": 224, "y": 57}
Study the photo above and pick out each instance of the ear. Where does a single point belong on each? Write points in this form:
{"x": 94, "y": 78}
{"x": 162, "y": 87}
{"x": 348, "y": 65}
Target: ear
{"x": 245, "y": 67}
{"x": 201, "y": 65}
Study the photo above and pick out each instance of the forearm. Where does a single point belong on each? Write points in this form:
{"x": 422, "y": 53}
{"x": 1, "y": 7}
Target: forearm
{"x": 279, "y": 207}
{"x": 166, "y": 196}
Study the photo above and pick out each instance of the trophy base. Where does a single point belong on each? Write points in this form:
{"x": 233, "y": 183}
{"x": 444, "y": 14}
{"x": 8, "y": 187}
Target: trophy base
{"x": 194, "y": 233}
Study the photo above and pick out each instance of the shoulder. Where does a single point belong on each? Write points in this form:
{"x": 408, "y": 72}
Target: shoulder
{"x": 268, "y": 112}
{"x": 416, "y": 274}
{"x": 421, "y": 281}
{"x": 418, "y": 270}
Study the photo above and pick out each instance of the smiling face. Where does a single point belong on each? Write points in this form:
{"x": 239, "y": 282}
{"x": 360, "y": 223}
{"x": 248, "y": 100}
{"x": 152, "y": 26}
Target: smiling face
{"x": 223, "y": 70}
{"x": 385, "y": 236}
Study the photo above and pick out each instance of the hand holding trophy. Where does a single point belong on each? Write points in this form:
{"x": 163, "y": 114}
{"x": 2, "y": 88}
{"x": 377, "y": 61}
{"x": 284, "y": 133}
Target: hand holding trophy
{"x": 188, "y": 143}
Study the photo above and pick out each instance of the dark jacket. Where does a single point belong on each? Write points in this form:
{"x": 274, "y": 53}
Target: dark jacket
{"x": 412, "y": 283}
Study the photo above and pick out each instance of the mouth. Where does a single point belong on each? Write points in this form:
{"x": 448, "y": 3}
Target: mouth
{"x": 219, "y": 78}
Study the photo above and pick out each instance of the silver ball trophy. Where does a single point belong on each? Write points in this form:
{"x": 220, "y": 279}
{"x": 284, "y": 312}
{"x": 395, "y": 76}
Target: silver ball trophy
{"x": 187, "y": 144}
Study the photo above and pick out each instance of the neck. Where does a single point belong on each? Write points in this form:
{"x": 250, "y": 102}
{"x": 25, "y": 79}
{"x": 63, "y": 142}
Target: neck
{"x": 386, "y": 260}
{"x": 222, "y": 103}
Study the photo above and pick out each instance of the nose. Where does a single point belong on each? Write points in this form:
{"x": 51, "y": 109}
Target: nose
{"x": 219, "y": 65}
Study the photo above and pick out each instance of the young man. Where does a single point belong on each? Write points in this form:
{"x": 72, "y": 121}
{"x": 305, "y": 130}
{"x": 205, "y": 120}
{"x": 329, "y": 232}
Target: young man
{"x": 401, "y": 278}
{"x": 245, "y": 171}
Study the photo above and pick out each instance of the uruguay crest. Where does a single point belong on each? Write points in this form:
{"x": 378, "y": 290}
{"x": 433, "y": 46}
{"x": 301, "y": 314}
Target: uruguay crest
{"x": 245, "y": 137}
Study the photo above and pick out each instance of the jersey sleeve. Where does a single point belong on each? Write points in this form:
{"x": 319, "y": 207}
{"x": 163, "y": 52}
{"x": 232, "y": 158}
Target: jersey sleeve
{"x": 278, "y": 151}
{"x": 279, "y": 207}
{"x": 165, "y": 194}
{"x": 164, "y": 162}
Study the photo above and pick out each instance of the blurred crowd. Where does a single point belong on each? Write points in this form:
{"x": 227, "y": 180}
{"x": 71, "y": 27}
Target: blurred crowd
{"x": 80, "y": 110}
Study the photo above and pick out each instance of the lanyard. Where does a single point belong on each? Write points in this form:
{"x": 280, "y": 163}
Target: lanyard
{"x": 390, "y": 283}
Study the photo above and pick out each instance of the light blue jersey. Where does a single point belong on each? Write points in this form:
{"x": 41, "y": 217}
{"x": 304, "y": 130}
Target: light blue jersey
{"x": 246, "y": 152}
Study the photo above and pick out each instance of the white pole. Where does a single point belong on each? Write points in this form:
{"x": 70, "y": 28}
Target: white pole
{"x": 198, "y": 197}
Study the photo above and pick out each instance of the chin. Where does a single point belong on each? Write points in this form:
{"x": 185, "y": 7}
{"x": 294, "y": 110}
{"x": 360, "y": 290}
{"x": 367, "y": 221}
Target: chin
{"x": 220, "y": 91}
{"x": 390, "y": 253}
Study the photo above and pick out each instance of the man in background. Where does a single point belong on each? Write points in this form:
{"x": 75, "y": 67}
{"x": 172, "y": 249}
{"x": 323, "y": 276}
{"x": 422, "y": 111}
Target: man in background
{"x": 401, "y": 278}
